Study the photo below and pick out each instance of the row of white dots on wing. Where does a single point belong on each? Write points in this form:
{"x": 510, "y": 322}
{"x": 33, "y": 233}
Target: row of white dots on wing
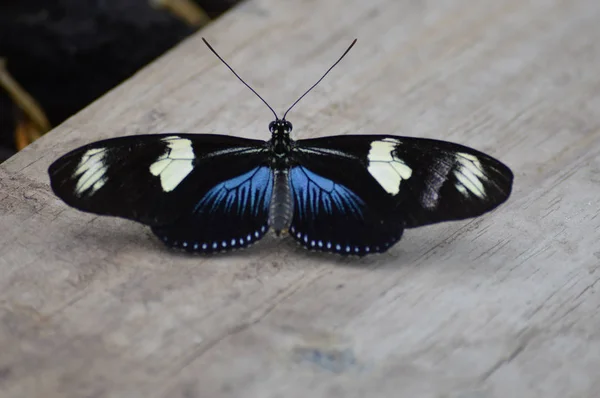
{"x": 233, "y": 243}
{"x": 330, "y": 246}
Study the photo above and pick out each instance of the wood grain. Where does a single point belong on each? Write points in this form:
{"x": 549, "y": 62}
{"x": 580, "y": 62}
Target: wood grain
{"x": 506, "y": 305}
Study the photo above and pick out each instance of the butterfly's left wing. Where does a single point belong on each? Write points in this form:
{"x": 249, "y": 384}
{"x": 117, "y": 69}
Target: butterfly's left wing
{"x": 356, "y": 194}
{"x": 200, "y": 192}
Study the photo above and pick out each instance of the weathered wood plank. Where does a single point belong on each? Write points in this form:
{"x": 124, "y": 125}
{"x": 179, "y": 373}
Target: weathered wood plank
{"x": 504, "y": 305}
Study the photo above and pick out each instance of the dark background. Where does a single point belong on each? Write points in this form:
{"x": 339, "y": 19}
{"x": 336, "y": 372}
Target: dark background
{"x": 66, "y": 53}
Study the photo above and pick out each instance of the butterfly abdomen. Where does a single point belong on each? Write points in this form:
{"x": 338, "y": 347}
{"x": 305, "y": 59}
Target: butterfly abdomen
{"x": 281, "y": 208}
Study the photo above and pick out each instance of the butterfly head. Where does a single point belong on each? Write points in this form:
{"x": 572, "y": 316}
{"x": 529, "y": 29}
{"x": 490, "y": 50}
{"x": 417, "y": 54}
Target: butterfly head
{"x": 280, "y": 127}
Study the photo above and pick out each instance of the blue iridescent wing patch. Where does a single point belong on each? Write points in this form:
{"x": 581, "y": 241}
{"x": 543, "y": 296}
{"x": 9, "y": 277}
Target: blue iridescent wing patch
{"x": 232, "y": 214}
{"x": 245, "y": 195}
{"x": 329, "y": 216}
{"x": 315, "y": 195}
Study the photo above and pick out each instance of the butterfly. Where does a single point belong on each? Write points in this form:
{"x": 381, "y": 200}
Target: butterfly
{"x": 347, "y": 194}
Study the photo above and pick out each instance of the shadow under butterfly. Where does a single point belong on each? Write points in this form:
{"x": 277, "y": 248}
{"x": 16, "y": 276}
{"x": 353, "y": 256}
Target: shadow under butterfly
{"x": 350, "y": 194}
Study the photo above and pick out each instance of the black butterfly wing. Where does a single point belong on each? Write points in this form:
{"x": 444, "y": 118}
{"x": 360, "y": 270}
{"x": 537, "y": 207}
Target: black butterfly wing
{"x": 199, "y": 192}
{"x": 356, "y": 194}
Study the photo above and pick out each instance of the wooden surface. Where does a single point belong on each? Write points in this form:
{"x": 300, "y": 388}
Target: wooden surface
{"x": 506, "y": 305}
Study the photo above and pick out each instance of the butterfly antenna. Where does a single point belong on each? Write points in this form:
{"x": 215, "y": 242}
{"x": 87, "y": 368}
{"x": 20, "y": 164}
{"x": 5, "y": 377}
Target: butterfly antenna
{"x": 238, "y": 76}
{"x": 322, "y": 77}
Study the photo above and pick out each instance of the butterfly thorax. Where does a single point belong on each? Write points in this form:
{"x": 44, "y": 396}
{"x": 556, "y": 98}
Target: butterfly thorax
{"x": 280, "y": 144}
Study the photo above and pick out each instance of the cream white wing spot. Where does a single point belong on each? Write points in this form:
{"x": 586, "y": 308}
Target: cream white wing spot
{"x": 461, "y": 188}
{"x": 470, "y": 175}
{"x": 91, "y": 171}
{"x": 387, "y": 169}
{"x": 175, "y": 164}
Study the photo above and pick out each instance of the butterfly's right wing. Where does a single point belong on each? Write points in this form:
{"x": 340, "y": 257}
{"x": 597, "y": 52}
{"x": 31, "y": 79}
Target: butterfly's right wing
{"x": 200, "y": 192}
{"x": 356, "y": 194}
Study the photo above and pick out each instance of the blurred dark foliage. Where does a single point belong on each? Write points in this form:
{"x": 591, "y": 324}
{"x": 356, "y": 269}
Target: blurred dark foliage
{"x": 66, "y": 53}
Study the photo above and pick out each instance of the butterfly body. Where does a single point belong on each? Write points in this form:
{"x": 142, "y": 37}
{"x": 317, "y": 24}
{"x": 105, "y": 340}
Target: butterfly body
{"x": 347, "y": 194}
